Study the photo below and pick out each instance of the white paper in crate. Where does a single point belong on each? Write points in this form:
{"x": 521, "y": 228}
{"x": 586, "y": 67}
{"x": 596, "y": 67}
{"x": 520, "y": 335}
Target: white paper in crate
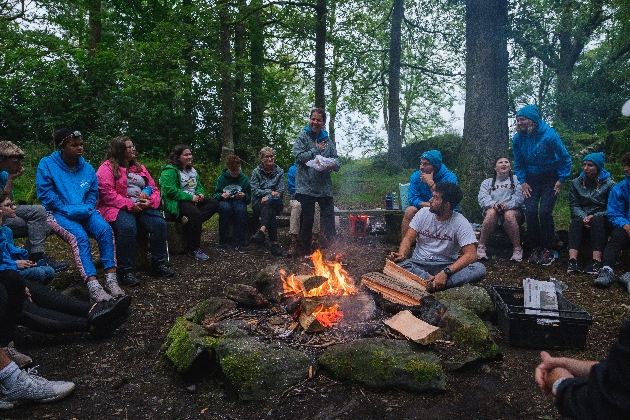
{"x": 541, "y": 298}
{"x": 320, "y": 162}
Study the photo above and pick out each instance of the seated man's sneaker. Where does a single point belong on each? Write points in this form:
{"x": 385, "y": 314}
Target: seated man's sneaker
{"x": 547, "y": 257}
{"x": 258, "y": 237}
{"x": 160, "y": 269}
{"x": 20, "y": 359}
{"x": 55, "y": 265}
{"x": 114, "y": 289}
{"x": 535, "y": 257}
{"x": 481, "y": 253}
{"x": 605, "y": 278}
{"x": 98, "y": 294}
{"x": 593, "y": 267}
{"x": 573, "y": 266}
{"x": 276, "y": 250}
{"x": 127, "y": 278}
{"x": 242, "y": 249}
{"x": 108, "y": 310}
{"x": 517, "y": 255}
{"x": 198, "y": 254}
{"x": 30, "y": 387}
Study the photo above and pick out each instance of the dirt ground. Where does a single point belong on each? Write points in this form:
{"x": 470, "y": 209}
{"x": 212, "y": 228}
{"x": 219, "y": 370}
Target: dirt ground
{"x": 126, "y": 376}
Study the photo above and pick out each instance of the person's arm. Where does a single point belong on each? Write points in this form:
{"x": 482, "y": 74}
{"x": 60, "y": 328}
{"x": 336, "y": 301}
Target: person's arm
{"x": 247, "y": 190}
{"x": 199, "y": 189}
{"x": 617, "y": 205}
{"x": 45, "y": 187}
{"x": 304, "y": 148}
{"x": 331, "y": 152}
{"x": 170, "y": 186}
{"x": 414, "y": 192}
{"x": 574, "y": 203}
{"x": 564, "y": 159}
{"x": 291, "y": 179}
{"x": 280, "y": 187}
{"x": 519, "y": 160}
{"x": 469, "y": 256}
{"x": 256, "y": 185}
{"x": 405, "y": 246}
{"x": 485, "y": 197}
{"x": 108, "y": 195}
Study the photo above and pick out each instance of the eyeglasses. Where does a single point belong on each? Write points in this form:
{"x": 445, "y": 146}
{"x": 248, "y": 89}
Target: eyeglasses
{"x": 9, "y": 205}
{"x": 269, "y": 157}
{"x": 132, "y": 147}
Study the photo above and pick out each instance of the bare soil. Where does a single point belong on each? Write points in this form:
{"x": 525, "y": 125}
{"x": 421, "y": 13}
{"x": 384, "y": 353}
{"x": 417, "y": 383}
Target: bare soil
{"x": 127, "y": 376}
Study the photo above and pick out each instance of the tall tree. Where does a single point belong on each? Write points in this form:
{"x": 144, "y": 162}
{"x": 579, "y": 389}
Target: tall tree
{"x": 227, "y": 99}
{"x": 485, "y": 117}
{"x": 394, "y": 141}
{"x": 320, "y": 54}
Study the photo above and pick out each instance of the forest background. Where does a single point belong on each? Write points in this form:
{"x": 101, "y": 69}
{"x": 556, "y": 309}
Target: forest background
{"x": 229, "y": 75}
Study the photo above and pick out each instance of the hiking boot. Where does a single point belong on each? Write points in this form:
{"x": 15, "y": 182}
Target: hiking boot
{"x": 221, "y": 248}
{"x": 30, "y": 387}
{"x": 481, "y": 253}
{"x": 160, "y": 269}
{"x": 547, "y": 257}
{"x": 106, "y": 329}
{"x": 56, "y": 265}
{"x": 20, "y": 359}
{"x": 593, "y": 267}
{"x": 128, "y": 279}
{"x": 625, "y": 279}
{"x": 605, "y": 278}
{"x": 198, "y": 254}
{"x": 276, "y": 250}
{"x": 517, "y": 255}
{"x": 573, "y": 266}
{"x": 535, "y": 257}
{"x": 258, "y": 237}
{"x": 242, "y": 249}
{"x": 184, "y": 220}
{"x": 106, "y": 311}
{"x": 98, "y": 294}
{"x": 114, "y": 289}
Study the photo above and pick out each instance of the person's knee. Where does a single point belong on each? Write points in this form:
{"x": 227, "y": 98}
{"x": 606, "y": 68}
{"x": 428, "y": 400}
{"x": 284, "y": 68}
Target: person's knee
{"x": 410, "y": 212}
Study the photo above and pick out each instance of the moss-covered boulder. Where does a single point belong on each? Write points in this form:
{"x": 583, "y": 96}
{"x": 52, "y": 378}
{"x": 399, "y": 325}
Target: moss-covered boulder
{"x": 384, "y": 364}
{"x": 470, "y": 335}
{"x": 268, "y": 282}
{"x": 257, "y": 370}
{"x": 473, "y": 298}
{"x": 210, "y": 310}
{"x": 185, "y": 343}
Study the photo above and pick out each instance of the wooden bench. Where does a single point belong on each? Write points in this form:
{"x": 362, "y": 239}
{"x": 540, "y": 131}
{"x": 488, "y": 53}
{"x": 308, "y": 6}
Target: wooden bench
{"x": 393, "y": 220}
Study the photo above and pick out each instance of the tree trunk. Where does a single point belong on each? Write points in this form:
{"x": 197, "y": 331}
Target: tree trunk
{"x": 320, "y": 55}
{"x": 95, "y": 24}
{"x": 394, "y": 141}
{"x": 257, "y": 63}
{"x": 240, "y": 111}
{"x": 227, "y": 101}
{"x": 486, "y": 134}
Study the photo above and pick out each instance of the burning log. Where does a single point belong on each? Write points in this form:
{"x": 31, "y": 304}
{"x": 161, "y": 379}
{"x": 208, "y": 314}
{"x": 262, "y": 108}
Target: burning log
{"x": 310, "y": 323}
{"x": 245, "y": 295}
{"x": 312, "y": 282}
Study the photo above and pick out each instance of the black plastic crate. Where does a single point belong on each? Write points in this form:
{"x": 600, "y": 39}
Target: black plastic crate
{"x": 524, "y": 330}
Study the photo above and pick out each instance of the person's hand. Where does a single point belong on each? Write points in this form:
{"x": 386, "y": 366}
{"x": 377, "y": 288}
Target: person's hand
{"x": 275, "y": 194}
{"x": 321, "y": 145}
{"x": 527, "y": 190}
{"x": 396, "y": 257}
{"x": 17, "y": 173}
{"x": 27, "y": 294}
{"x": 264, "y": 199}
{"x": 136, "y": 207}
{"x": 201, "y": 197}
{"x": 587, "y": 220}
{"x": 557, "y": 188}
{"x": 24, "y": 264}
{"x": 226, "y": 195}
{"x": 330, "y": 167}
{"x": 439, "y": 281}
{"x": 240, "y": 195}
{"x": 144, "y": 203}
{"x": 427, "y": 179}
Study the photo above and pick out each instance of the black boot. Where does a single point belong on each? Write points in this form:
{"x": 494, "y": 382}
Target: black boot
{"x": 160, "y": 269}
{"x": 126, "y": 278}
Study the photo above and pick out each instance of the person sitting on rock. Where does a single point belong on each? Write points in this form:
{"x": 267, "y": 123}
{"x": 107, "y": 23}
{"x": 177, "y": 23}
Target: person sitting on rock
{"x": 431, "y": 171}
{"x": 440, "y": 234}
{"x": 30, "y": 220}
{"x": 588, "y": 198}
{"x": 618, "y": 210}
{"x": 267, "y": 185}
{"x": 501, "y": 200}
{"x": 234, "y": 192}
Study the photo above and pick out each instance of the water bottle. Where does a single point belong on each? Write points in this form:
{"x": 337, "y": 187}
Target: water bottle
{"x": 146, "y": 192}
{"x": 395, "y": 202}
{"x": 388, "y": 202}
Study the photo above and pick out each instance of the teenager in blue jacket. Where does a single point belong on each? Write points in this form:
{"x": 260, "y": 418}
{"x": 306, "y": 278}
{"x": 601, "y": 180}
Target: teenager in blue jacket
{"x": 68, "y": 189}
{"x": 431, "y": 171}
{"x": 541, "y": 164}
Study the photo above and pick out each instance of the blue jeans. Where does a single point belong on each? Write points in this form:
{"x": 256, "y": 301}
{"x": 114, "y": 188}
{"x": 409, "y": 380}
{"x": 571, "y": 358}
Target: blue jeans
{"x": 126, "y": 228}
{"x": 75, "y": 233}
{"x": 471, "y": 274}
{"x": 540, "y": 226}
{"x": 232, "y": 210}
{"x": 40, "y": 274}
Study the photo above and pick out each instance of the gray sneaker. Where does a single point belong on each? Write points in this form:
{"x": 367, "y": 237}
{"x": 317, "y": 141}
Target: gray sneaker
{"x": 605, "y": 278}
{"x": 98, "y": 294}
{"x": 114, "y": 289}
{"x": 30, "y": 387}
{"x": 20, "y": 359}
{"x": 625, "y": 279}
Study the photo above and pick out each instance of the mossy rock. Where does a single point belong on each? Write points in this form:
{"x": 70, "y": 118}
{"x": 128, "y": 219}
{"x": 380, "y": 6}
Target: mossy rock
{"x": 259, "y": 371}
{"x": 384, "y": 364}
{"x": 210, "y": 309}
{"x": 473, "y": 298}
{"x": 185, "y": 342}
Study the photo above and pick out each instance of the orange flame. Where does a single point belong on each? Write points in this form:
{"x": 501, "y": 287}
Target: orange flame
{"x": 338, "y": 281}
{"x": 327, "y": 316}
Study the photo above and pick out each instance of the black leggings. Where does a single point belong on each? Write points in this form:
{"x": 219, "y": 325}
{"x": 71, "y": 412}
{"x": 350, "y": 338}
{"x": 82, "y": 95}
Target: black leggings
{"x": 197, "y": 213}
{"x": 600, "y": 227}
{"x": 11, "y": 300}
{"x": 267, "y": 213}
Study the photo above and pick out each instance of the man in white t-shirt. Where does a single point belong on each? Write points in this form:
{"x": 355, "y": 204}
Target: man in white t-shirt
{"x": 440, "y": 234}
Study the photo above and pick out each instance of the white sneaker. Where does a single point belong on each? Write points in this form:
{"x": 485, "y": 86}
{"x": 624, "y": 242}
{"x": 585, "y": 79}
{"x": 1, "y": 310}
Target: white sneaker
{"x": 114, "y": 289}
{"x": 20, "y": 359}
{"x": 481, "y": 253}
{"x": 30, "y": 387}
{"x": 98, "y": 294}
{"x": 517, "y": 255}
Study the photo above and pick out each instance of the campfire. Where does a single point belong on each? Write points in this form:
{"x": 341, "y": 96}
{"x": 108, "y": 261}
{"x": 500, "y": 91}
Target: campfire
{"x": 316, "y": 299}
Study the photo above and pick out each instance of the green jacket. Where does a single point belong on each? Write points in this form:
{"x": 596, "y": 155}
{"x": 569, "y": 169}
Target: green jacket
{"x": 171, "y": 188}
{"x": 240, "y": 183}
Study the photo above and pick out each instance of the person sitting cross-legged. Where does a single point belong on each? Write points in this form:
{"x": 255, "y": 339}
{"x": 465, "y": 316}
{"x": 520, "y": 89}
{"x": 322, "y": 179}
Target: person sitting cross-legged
{"x": 440, "y": 234}
{"x": 618, "y": 210}
{"x": 588, "y": 198}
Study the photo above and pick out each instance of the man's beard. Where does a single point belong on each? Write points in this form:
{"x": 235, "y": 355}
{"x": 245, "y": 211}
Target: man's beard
{"x": 437, "y": 211}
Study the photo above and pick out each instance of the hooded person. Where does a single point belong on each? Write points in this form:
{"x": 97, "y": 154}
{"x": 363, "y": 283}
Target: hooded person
{"x": 541, "y": 164}
{"x": 588, "y": 199}
{"x": 432, "y": 170}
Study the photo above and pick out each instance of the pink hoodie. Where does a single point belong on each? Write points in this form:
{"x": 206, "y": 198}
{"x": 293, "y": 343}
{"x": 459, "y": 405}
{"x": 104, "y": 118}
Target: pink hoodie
{"x": 112, "y": 193}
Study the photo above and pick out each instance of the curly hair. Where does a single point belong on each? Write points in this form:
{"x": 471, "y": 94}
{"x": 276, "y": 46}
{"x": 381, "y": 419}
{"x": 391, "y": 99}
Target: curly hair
{"x": 625, "y": 159}
{"x": 173, "y": 158}
{"x": 4, "y": 195}
{"x": 116, "y": 155}
{"x": 232, "y": 162}
{"x": 451, "y": 193}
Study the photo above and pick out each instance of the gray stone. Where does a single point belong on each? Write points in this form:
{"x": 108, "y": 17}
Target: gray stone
{"x": 473, "y": 298}
{"x": 471, "y": 336}
{"x": 185, "y": 343}
{"x": 384, "y": 364}
{"x": 210, "y": 310}
{"x": 259, "y": 371}
{"x": 269, "y": 283}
